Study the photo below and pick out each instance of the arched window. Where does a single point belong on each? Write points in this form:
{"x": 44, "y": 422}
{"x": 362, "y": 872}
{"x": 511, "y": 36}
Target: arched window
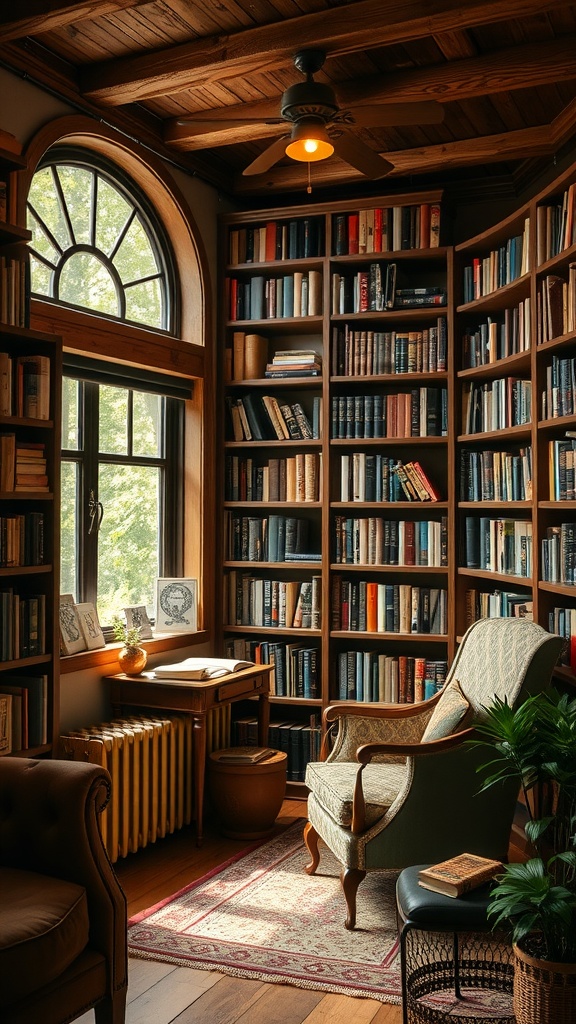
{"x": 96, "y": 242}
{"x": 99, "y": 249}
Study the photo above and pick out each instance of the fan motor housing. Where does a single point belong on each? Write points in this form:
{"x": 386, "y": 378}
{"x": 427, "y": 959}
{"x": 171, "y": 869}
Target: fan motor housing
{"x": 308, "y": 99}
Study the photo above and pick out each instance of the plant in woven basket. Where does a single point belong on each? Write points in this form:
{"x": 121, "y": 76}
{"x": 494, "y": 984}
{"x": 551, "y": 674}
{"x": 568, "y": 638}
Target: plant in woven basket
{"x": 536, "y": 742}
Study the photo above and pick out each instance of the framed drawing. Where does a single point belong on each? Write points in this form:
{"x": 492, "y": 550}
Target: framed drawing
{"x": 90, "y": 626}
{"x": 177, "y": 606}
{"x": 137, "y": 618}
{"x": 71, "y": 636}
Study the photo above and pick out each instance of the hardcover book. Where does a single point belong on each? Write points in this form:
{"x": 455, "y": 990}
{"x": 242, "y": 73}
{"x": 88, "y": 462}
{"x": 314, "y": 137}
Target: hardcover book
{"x": 459, "y": 875}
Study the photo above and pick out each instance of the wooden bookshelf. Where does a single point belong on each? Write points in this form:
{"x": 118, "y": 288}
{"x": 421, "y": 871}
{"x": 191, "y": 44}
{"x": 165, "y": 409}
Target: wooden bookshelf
{"x": 30, "y": 390}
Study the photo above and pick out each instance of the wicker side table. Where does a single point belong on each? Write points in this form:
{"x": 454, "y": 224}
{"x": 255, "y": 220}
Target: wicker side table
{"x": 451, "y": 964}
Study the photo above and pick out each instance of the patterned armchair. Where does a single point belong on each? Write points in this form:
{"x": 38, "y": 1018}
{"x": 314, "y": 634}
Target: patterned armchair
{"x": 400, "y": 786}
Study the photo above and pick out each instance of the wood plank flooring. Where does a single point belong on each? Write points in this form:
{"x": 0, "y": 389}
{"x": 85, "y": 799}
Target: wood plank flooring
{"x": 159, "y": 993}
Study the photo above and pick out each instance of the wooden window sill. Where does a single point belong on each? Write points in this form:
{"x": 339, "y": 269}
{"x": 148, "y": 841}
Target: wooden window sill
{"x": 106, "y": 656}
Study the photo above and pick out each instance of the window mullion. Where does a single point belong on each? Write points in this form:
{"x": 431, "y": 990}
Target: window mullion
{"x": 88, "y": 541}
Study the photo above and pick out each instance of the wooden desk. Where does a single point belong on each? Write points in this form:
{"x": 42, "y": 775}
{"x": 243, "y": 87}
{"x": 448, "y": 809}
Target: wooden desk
{"x": 196, "y": 698}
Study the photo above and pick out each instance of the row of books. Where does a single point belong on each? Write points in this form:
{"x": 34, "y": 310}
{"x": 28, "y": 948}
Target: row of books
{"x": 14, "y": 291}
{"x": 392, "y": 679}
{"x": 555, "y": 226}
{"x": 21, "y": 539}
{"x": 22, "y": 625}
{"x": 556, "y": 305}
{"x": 22, "y": 465}
{"x": 559, "y": 395}
{"x": 367, "y": 477}
{"x": 295, "y": 666}
{"x": 258, "y": 601}
{"x": 286, "y": 364}
{"x": 481, "y": 604}
{"x": 247, "y": 357}
{"x": 498, "y": 337}
{"x": 273, "y": 538}
{"x": 275, "y": 297}
{"x": 365, "y": 606}
{"x": 562, "y": 621}
{"x": 498, "y": 545}
{"x": 561, "y": 461}
{"x": 358, "y": 353}
{"x": 386, "y": 229}
{"x": 299, "y": 741}
{"x": 292, "y": 478}
{"x": 496, "y": 404}
{"x": 490, "y": 475}
{"x": 23, "y": 712}
{"x": 500, "y": 267}
{"x": 297, "y": 238}
{"x": 421, "y": 412}
{"x": 559, "y": 554}
{"x": 25, "y": 386}
{"x": 364, "y": 291}
{"x": 373, "y": 541}
{"x": 257, "y": 417}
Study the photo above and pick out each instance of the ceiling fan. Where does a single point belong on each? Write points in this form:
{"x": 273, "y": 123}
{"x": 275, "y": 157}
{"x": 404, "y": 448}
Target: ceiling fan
{"x": 319, "y": 127}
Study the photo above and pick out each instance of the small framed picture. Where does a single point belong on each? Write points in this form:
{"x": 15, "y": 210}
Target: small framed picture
{"x": 177, "y": 606}
{"x": 137, "y": 617}
{"x": 90, "y": 626}
{"x": 71, "y": 636}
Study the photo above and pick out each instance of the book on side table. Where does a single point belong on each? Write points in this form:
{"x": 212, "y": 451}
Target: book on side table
{"x": 459, "y": 875}
{"x": 200, "y": 668}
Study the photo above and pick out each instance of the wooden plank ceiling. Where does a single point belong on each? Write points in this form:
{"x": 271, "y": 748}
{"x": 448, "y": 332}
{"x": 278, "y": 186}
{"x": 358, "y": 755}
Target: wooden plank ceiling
{"x": 502, "y": 71}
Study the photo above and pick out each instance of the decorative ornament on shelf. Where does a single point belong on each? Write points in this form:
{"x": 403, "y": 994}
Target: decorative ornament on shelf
{"x": 132, "y": 658}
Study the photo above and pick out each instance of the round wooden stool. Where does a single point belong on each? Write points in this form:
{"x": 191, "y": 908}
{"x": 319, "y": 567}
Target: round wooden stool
{"x": 246, "y": 796}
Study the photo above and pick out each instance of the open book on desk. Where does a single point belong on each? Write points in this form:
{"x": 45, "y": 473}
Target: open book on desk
{"x": 200, "y": 668}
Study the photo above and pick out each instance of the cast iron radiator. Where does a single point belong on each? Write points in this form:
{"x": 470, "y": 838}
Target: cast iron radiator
{"x": 150, "y": 760}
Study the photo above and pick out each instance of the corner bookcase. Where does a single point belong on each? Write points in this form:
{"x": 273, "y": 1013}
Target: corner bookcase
{"x": 30, "y": 388}
{"x": 336, "y": 566}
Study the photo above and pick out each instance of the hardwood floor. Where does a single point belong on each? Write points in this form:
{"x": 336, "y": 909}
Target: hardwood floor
{"x": 159, "y": 993}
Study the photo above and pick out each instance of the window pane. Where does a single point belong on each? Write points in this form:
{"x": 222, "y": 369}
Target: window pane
{"x": 128, "y": 557}
{"x": 112, "y": 213}
{"x": 70, "y": 414}
{"x": 69, "y": 537}
{"x": 40, "y": 277}
{"x": 113, "y": 420}
{"x": 135, "y": 257}
{"x": 46, "y": 202}
{"x": 85, "y": 281}
{"x": 146, "y": 429}
{"x": 144, "y": 304}
{"x": 77, "y": 185}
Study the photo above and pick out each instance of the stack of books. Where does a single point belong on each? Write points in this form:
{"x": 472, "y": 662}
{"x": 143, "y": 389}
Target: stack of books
{"x": 31, "y": 467}
{"x": 295, "y": 363}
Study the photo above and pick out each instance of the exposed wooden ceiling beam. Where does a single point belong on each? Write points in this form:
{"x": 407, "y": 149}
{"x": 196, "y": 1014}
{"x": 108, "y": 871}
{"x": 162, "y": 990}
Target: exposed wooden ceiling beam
{"x": 31, "y": 17}
{"x": 528, "y": 142}
{"x": 516, "y": 67}
{"x": 344, "y": 29}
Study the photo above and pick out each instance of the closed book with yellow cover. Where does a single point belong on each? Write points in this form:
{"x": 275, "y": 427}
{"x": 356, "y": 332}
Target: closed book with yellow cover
{"x": 459, "y": 875}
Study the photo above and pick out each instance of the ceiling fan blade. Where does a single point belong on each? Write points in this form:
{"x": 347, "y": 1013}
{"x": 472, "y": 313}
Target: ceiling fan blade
{"x": 210, "y": 124}
{"x": 360, "y": 156}
{"x": 375, "y": 115}
{"x": 270, "y": 156}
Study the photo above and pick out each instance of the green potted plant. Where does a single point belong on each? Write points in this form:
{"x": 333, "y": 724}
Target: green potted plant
{"x": 132, "y": 657}
{"x": 536, "y": 742}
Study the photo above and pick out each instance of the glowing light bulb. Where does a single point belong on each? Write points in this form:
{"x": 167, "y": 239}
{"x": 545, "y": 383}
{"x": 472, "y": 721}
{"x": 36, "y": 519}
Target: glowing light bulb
{"x": 310, "y": 145}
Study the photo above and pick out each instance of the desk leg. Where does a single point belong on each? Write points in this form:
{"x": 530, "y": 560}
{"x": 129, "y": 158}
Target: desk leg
{"x": 263, "y": 719}
{"x": 199, "y": 738}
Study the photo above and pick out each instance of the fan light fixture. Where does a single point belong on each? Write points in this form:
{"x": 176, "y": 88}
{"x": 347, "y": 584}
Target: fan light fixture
{"x": 309, "y": 141}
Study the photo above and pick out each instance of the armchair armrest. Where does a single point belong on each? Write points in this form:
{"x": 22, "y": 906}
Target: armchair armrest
{"x": 49, "y": 824}
{"x": 368, "y": 751}
{"x": 384, "y": 721}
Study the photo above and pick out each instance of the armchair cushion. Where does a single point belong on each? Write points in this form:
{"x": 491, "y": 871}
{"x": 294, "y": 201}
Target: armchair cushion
{"x": 44, "y": 924}
{"x": 333, "y": 785}
{"x": 448, "y": 713}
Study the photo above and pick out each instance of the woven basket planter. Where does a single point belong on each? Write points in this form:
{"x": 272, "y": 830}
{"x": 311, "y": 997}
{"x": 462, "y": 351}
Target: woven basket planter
{"x": 544, "y": 992}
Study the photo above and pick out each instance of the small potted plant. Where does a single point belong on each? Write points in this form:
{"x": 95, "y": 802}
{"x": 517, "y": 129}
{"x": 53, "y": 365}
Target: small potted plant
{"x": 536, "y": 742}
{"x": 132, "y": 657}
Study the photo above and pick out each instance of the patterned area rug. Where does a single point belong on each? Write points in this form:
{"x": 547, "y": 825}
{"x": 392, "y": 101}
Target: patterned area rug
{"x": 261, "y": 916}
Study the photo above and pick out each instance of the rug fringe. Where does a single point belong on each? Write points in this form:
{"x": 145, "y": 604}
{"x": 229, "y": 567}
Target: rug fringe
{"x": 272, "y": 979}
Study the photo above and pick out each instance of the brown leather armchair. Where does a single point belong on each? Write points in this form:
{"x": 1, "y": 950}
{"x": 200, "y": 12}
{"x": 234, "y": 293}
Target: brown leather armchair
{"x": 63, "y": 919}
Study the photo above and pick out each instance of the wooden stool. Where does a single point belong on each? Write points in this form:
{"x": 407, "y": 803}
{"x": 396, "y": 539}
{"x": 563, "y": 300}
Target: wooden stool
{"x": 246, "y": 797}
{"x": 442, "y": 950}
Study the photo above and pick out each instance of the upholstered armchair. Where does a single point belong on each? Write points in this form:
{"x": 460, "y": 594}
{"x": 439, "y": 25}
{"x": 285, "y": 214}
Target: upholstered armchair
{"x": 400, "y": 785}
{"x": 63, "y": 946}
